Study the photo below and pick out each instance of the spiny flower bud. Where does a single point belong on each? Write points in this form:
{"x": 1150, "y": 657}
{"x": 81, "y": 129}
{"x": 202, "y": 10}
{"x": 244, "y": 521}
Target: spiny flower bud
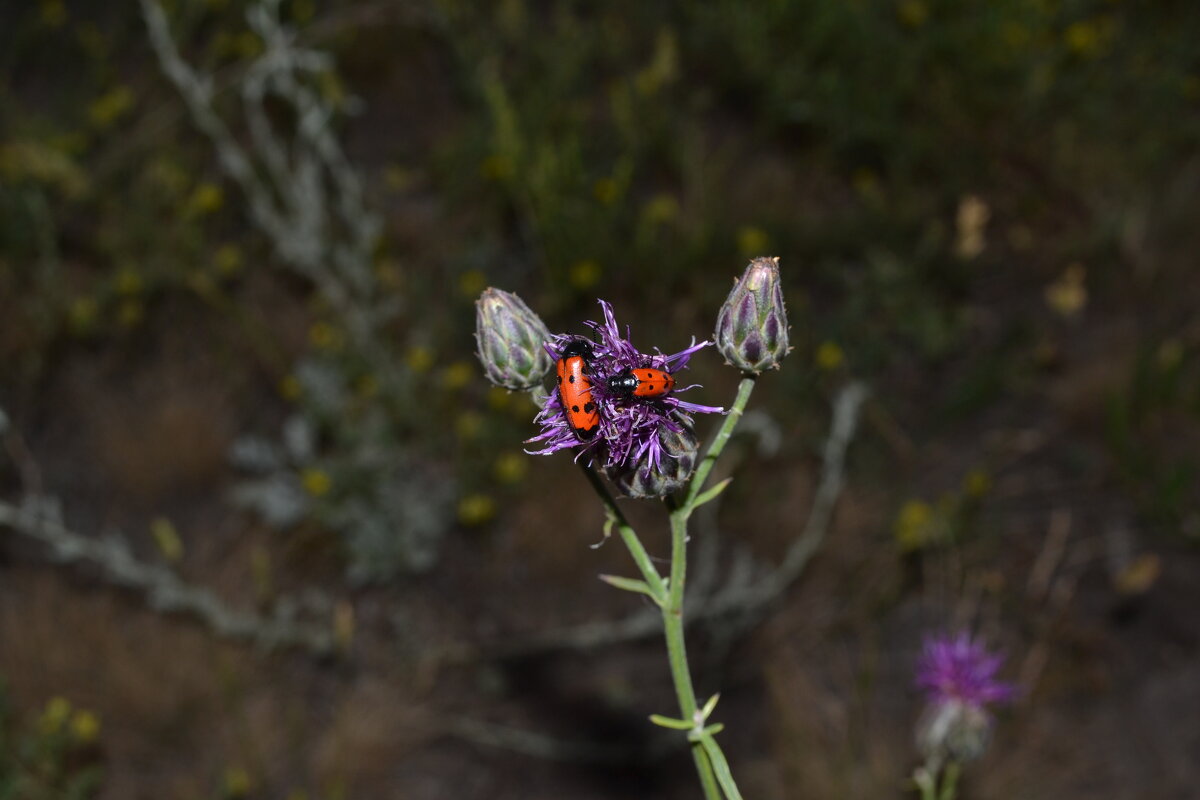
{"x": 954, "y": 730}
{"x": 752, "y": 328}
{"x": 510, "y": 338}
{"x": 660, "y": 470}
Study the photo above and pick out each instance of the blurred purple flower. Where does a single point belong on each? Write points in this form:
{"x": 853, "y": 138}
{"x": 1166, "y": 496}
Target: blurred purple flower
{"x": 960, "y": 669}
{"x": 629, "y": 427}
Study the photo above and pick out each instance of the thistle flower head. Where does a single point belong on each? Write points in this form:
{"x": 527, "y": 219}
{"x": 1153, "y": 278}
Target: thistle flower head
{"x": 634, "y": 433}
{"x": 959, "y": 678}
{"x": 960, "y": 668}
{"x": 643, "y": 477}
{"x": 752, "y": 327}
{"x": 510, "y": 339}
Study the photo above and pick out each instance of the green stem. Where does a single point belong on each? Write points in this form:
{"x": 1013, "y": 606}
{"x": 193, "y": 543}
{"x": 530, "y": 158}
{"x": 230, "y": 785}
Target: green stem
{"x": 718, "y": 443}
{"x": 632, "y": 543}
{"x": 673, "y": 623}
{"x": 949, "y": 782}
{"x": 925, "y": 782}
{"x": 677, "y": 648}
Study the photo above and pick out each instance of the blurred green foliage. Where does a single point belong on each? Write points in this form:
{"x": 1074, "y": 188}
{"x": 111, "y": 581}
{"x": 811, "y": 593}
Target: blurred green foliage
{"x": 50, "y": 757}
{"x": 922, "y": 166}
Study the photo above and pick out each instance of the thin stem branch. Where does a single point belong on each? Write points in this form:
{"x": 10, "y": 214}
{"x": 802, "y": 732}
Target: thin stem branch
{"x": 949, "y": 788}
{"x": 718, "y": 443}
{"x": 632, "y": 543}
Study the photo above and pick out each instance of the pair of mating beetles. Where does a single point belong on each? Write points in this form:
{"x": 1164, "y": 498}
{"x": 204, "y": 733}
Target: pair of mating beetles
{"x": 575, "y": 387}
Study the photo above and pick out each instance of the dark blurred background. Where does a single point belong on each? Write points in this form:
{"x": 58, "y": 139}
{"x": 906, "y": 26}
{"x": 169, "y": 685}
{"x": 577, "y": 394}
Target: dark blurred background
{"x": 266, "y": 532}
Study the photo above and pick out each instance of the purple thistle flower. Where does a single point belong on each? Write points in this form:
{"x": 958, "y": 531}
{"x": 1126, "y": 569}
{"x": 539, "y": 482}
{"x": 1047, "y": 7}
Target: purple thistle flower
{"x": 960, "y": 669}
{"x": 629, "y": 427}
{"x": 959, "y": 679}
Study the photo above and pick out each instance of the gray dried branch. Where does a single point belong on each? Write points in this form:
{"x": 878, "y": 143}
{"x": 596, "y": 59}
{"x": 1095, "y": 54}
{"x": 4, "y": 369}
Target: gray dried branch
{"x": 38, "y": 519}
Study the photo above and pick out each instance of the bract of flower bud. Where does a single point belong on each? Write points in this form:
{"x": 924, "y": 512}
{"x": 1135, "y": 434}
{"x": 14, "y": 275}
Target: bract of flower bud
{"x": 510, "y": 338}
{"x": 752, "y": 326}
{"x": 662, "y": 467}
{"x": 954, "y": 730}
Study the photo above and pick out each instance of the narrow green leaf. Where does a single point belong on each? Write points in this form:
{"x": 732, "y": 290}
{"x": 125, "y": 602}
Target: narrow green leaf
{"x": 609, "y": 522}
{"x": 706, "y": 712}
{"x": 711, "y": 493}
{"x": 720, "y": 767}
{"x": 629, "y": 585}
{"x": 671, "y": 722}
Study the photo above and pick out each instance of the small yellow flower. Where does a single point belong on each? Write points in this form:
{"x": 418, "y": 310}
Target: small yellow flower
{"x": 830, "y": 356}
{"x": 752, "y": 241}
{"x": 85, "y": 726}
{"x": 397, "y": 177}
{"x": 55, "y": 715}
{"x": 584, "y": 274}
{"x": 971, "y": 221}
{"x": 389, "y": 274}
{"x": 316, "y": 481}
{"x": 914, "y": 527}
{"x": 167, "y": 538}
{"x": 606, "y": 191}
{"x": 663, "y": 68}
{"x": 511, "y": 467}
{"x": 53, "y": 13}
{"x": 1139, "y": 575}
{"x": 522, "y": 406}
{"x": 228, "y": 259}
{"x": 468, "y": 425}
{"x": 1088, "y": 38}
{"x": 867, "y": 185}
{"x": 206, "y": 199}
{"x": 471, "y": 283}
{"x": 1068, "y": 295}
{"x": 290, "y": 387}
{"x": 332, "y": 90}
{"x": 499, "y": 399}
{"x": 128, "y": 282}
{"x": 110, "y": 106}
{"x": 325, "y": 336}
{"x": 82, "y": 314}
{"x": 458, "y": 375}
{"x": 476, "y": 509}
{"x": 419, "y": 359}
{"x": 661, "y": 209}
{"x": 912, "y": 13}
{"x": 237, "y": 783}
{"x": 977, "y": 483}
{"x": 496, "y": 168}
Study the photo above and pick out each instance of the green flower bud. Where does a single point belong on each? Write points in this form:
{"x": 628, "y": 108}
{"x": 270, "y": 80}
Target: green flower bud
{"x": 510, "y": 338}
{"x": 679, "y": 451}
{"x": 752, "y": 328}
